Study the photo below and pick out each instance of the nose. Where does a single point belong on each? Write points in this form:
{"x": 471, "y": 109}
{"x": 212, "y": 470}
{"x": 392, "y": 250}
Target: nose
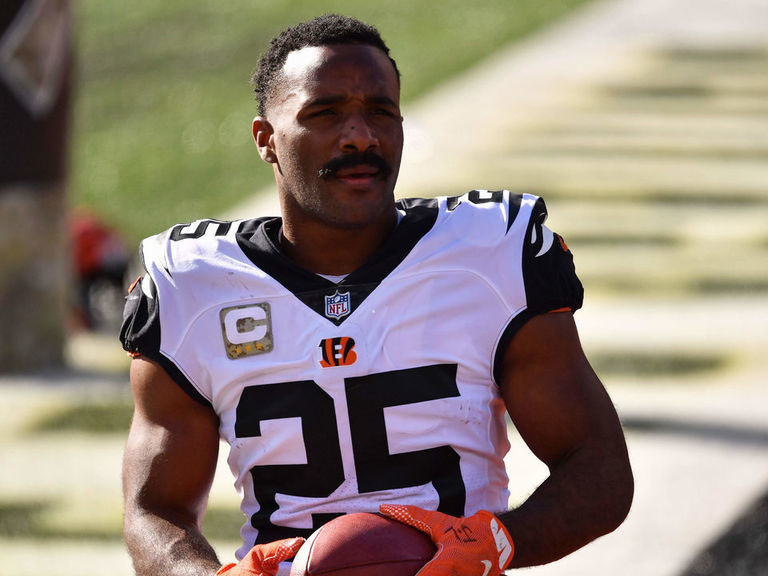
{"x": 358, "y": 135}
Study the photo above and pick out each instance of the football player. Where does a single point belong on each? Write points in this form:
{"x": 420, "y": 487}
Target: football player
{"x": 358, "y": 353}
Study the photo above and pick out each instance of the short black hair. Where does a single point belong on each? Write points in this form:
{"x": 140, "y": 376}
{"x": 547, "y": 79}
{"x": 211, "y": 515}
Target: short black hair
{"x": 321, "y": 31}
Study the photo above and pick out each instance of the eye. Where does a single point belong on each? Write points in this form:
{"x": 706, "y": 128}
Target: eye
{"x": 386, "y": 112}
{"x": 323, "y": 112}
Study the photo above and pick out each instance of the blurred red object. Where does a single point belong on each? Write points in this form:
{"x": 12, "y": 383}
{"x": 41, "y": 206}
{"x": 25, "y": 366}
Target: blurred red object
{"x": 101, "y": 260}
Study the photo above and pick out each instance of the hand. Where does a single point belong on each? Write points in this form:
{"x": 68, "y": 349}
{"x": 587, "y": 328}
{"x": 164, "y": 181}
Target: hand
{"x": 475, "y": 546}
{"x": 263, "y": 559}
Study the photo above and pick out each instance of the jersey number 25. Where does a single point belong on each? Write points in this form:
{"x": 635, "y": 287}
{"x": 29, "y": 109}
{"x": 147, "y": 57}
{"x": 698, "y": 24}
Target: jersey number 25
{"x": 375, "y": 467}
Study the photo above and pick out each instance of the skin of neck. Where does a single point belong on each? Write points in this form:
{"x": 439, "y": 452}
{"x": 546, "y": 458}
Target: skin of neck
{"x": 334, "y": 251}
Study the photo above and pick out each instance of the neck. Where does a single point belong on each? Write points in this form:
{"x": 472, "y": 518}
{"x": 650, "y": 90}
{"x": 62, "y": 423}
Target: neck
{"x": 333, "y": 251}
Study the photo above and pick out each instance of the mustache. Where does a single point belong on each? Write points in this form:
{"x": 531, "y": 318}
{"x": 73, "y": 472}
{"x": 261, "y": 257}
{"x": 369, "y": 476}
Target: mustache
{"x": 367, "y": 158}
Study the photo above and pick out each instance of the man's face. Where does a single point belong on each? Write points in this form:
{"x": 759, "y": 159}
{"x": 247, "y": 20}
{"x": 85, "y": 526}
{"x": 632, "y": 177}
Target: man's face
{"x": 337, "y": 135}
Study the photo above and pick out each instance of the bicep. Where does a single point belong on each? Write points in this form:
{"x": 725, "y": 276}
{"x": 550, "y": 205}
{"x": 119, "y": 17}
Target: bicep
{"x": 172, "y": 448}
{"x": 553, "y": 396}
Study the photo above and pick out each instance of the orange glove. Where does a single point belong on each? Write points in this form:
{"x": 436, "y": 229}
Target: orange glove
{"x": 263, "y": 559}
{"x": 475, "y": 546}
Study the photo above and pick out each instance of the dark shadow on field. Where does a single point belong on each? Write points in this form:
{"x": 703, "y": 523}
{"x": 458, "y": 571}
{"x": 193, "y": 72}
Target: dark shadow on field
{"x": 609, "y": 363}
{"x": 728, "y": 433}
{"x": 28, "y": 520}
{"x": 102, "y": 417}
{"x": 742, "y": 550}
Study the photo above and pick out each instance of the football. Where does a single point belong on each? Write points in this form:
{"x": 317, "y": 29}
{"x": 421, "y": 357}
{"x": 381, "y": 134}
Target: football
{"x": 363, "y": 544}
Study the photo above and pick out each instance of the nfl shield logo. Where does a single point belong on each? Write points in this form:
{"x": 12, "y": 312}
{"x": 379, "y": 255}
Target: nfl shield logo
{"x": 337, "y": 306}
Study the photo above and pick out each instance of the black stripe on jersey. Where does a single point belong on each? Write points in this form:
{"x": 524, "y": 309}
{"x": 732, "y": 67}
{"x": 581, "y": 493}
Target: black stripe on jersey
{"x": 140, "y": 330}
{"x": 506, "y": 338}
{"x": 260, "y": 241}
{"x": 140, "y": 334}
{"x": 179, "y": 377}
{"x": 515, "y": 200}
{"x": 549, "y": 276}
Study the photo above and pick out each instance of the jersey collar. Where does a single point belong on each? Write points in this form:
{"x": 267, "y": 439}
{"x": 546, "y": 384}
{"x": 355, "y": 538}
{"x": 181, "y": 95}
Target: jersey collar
{"x": 259, "y": 239}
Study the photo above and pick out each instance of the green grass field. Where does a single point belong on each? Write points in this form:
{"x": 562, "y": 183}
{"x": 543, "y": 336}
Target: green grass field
{"x": 162, "y": 119}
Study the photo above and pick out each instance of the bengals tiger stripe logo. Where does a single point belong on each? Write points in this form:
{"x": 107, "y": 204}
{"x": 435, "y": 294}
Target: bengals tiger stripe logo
{"x": 338, "y": 352}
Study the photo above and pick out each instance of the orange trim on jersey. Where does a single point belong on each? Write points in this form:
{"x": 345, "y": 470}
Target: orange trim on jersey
{"x": 134, "y": 354}
{"x": 564, "y": 309}
{"x": 132, "y": 286}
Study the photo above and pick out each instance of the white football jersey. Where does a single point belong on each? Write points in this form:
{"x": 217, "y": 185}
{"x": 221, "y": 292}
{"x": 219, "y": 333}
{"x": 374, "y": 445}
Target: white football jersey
{"x": 381, "y": 388}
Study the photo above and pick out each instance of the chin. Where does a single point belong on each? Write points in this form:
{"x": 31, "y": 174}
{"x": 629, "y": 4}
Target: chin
{"x": 350, "y": 223}
{"x": 359, "y": 218}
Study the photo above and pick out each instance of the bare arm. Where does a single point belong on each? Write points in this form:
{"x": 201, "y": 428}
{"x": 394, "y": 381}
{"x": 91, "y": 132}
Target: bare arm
{"x": 168, "y": 467}
{"x": 567, "y": 419}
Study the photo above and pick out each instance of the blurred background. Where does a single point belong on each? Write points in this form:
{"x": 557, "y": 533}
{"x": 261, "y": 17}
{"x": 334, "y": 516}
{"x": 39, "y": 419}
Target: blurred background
{"x": 643, "y": 123}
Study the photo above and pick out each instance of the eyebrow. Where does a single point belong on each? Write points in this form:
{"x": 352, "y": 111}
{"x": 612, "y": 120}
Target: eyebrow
{"x": 333, "y": 99}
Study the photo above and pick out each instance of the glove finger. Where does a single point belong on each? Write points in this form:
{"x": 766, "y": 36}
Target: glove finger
{"x": 427, "y": 521}
{"x": 275, "y": 552}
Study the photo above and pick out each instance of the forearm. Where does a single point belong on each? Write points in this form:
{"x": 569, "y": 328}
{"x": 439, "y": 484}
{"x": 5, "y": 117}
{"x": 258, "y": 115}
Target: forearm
{"x": 587, "y": 495}
{"x": 163, "y": 547}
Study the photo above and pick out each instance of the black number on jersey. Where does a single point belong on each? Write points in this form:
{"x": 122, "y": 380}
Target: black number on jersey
{"x": 323, "y": 472}
{"x": 476, "y": 197}
{"x": 376, "y": 468}
{"x": 199, "y": 228}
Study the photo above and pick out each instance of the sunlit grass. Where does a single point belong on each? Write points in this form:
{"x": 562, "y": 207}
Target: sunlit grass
{"x": 33, "y": 519}
{"x": 162, "y": 122}
{"x": 222, "y": 523}
{"x": 656, "y": 364}
{"x": 112, "y": 416}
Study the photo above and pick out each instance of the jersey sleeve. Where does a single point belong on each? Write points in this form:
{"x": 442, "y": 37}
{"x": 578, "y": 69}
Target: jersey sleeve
{"x": 547, "y": 280}
{"x": 549, "y": 274}
{"x": 141, "y": 333}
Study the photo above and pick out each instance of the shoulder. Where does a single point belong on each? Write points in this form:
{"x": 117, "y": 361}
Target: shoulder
{"x": 502, "y": 237}
{"x": 174, "y": 262}
{"x": 492, "y": 216}
{"x": 177, "y": 247}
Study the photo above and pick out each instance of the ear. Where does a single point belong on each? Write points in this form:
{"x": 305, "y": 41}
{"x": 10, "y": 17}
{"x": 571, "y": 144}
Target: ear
{"x": 262, "y": 135}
